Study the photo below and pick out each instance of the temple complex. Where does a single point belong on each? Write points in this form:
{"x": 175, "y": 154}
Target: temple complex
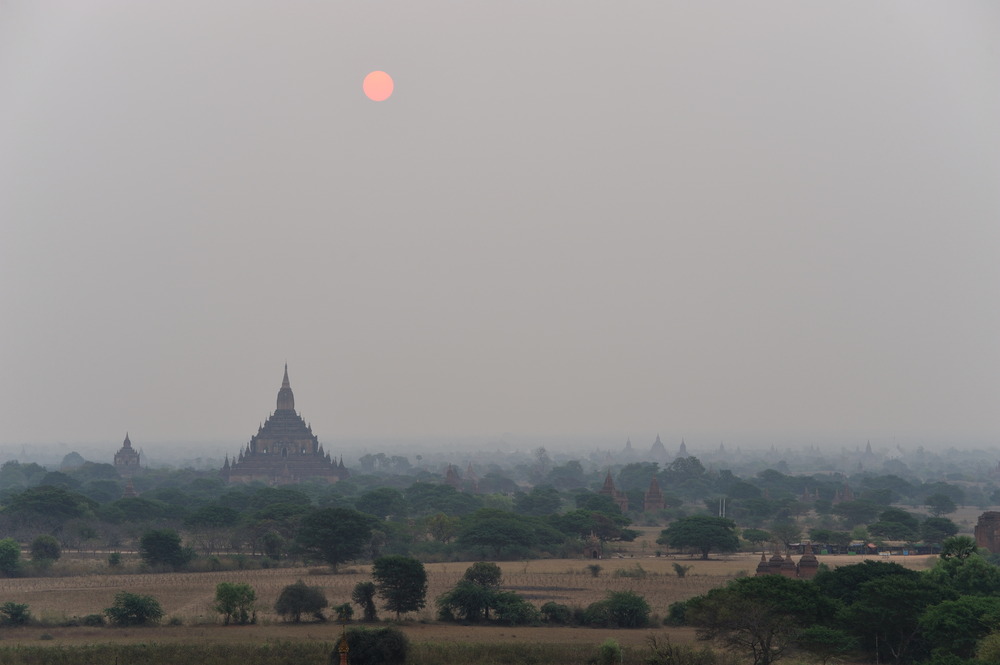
{"x": 127, "y": 459}
{"x": 284, "y": 450}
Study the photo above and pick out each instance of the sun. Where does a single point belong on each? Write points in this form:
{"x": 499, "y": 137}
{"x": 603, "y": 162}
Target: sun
{"x": 378, "y": 86}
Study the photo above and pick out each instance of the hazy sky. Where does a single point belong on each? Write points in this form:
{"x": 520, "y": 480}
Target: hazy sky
{"x": 703, "y": 219}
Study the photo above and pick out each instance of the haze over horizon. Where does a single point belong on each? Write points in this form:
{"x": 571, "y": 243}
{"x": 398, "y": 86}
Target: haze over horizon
{"x": 748, "y": 222}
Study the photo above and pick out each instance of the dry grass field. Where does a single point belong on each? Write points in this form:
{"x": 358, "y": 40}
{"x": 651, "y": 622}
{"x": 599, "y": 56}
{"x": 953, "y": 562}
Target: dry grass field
{"x": 188, "y": 597}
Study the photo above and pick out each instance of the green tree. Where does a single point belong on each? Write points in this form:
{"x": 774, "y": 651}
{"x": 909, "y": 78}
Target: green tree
{"x": 826, "y": 643}
{"x": 364, "y": 596}
{"x": 935, "y": 530}
{"x": 402, "y": 583}
{"x": 786, "y": 532}
{"x": 958, "y": 547}
{"x": 703, "y": 533}
{"x": 14, "y": 614}
{"x": 45, "y": 548}
{"x": 756, "y": 536}
{"x": 541, "y": 500}
{"x": 844, "y": 582}
{"x": 758, "y": 616}
{"x": 235, "y": 602}
{"x": 886, "y": 614}
{"x": 940, "y": 504}
{"x": 382, "y": 502}
{"x": 955, "y": 627}
{"x": 621, "y": 609}
{"x": 298, "y": 599}
{"x": 10, "y": 557}
{"x": 131, "y": 609}
{"x": 856, "y": 512}
{"x": 382, "y": 646}
{"x": 335, "y": 535}
{"x": 162, "y": 547}
{"x": 486, "y": 574}
{"x": 474, "y": 595}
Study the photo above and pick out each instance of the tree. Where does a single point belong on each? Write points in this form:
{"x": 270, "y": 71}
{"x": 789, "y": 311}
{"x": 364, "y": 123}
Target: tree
{"x": 364, "y": 596}
{"x": 886, "y": 614}
{"x": 402, "y": 583}
{"x": 131, "y": 609}
{"x": 935, "y": 530}
{"x": 162, "y": 547}
{"x": 703, "y": 533}
{"x": 298, "y": 599}
{"x": 826, "y": 643}
{"x": 856, "y": 512}
{"x": 382, "y": 646}
{"x": 235, "y": 602}
{"x": 335, "y": 535}
{"x": 759, "y": 616}
{"x": 621, "y": 609}
{"x": 45, "y": 548}
{"x": 958, "y": 547}
{"x": 785, "y": 532}
{"x": 756, "y": 536}
{"x": 955, "y": 627}
{"x": 382, "y": 502}
{"x": 940, "y": 504}
{"x": 474, "y": 595}
{"x": 485, "y": 574}
{"x": 844, "y": 582}
{"x": 10, "y": 557}
{"x": 14, "y": 614}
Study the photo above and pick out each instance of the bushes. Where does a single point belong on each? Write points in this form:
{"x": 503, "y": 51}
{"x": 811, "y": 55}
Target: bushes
{"x": 621, "y": 609}
{"x": 14, "y": 614}
{"x": 556, "y": 613}
{"x": 382, "y": 646}
{"x": 298, "y": 599}
{"x": 131, "y": 609}
{"x": 235, "y": 602}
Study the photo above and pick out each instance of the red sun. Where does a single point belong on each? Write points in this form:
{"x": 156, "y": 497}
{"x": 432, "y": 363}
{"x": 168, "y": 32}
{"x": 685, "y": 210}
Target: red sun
{"x": 378, "y": 86}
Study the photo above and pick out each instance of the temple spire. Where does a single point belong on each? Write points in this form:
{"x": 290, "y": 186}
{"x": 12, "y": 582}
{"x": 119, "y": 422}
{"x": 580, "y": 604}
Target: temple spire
{"x": 286, "y": 400}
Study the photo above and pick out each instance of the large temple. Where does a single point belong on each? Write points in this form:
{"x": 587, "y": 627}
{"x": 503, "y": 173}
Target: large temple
{"x": 284, "y": 450}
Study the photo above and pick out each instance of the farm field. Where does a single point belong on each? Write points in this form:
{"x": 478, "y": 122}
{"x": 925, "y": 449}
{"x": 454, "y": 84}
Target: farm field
{"x": 189, "y": 598}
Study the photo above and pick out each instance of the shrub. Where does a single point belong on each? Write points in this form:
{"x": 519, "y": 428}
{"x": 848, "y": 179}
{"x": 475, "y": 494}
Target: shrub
{"x": 298, "y": 599}
{"x": 636, "y": 571}
{"x": 235, "y": 602}
{"x": 666, "y": 653}
{"x": 675, "y": 614}
{"x": 513, "y": 610}
{"x": 45, "y": 548}
{"x": 344, "y": 612}
{"x": 131, "y": 609}
{"x": 621, "y": 609}
{"x": 10, "y": 557}
{"x": 162, "y": 547}
{"x": 556, "y": 613}
{"x": 115, "y": 559}
{"x": 609, "y": 653}
{"x": 14, "y": 614}
{"x": 92, "y": 620}
{"x": 364, "y": 596}
{"x": 681, "y": 569}
{"x": 382, "y": 646}
{"x": 594, "y": 569}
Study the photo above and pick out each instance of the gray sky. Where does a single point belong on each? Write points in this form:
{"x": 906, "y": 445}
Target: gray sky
{"x": 709, "y": 220}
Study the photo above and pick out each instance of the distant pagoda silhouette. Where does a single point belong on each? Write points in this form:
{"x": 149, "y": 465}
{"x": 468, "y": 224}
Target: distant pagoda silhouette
{"x": 284, "y": 450}
{"x": 127, "y": 459}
